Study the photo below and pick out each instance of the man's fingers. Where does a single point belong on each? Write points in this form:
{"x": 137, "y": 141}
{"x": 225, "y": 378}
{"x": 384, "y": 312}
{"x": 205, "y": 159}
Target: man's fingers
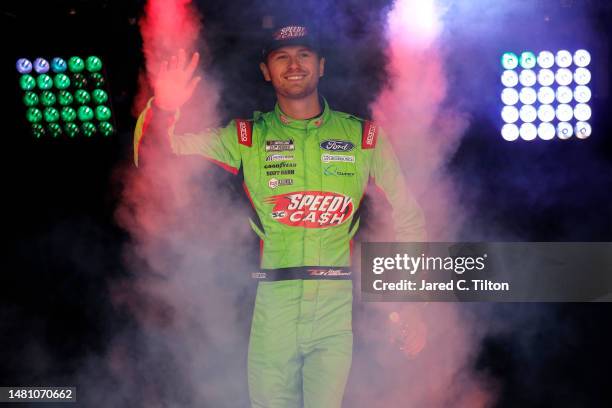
{"x": 193, "y": 63}
{"x": 180, "y": 63}
{"x": 192, "y": 84}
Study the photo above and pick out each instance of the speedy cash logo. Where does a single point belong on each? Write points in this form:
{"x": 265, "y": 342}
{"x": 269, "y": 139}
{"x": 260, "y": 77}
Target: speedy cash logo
{"x": 311, "y": 209}
{"x": 337, "y": 145}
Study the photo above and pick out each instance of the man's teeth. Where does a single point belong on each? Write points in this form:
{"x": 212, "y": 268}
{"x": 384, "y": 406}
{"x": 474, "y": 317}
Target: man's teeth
{"x": 294, "y": 77}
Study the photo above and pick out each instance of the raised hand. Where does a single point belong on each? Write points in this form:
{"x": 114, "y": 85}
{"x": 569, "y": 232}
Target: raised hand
{"x": 174, "y": 84}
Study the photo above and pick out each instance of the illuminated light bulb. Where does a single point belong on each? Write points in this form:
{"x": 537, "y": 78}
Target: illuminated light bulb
{"x": 582, "y": 112}
{"x": 30, "y": 99}
{"x": 58, "y": 65}
{"x": 528, "y": 131}
{"x": 47, "y": 98}
{"x": 99, "y": 96}
{"x": 509, "y": 60}
{"x": 79, "y": 81}
{"x": 546, "y": 131}
{"x": 546, "y": 59}
{"x": 546, "y": 95}
{"x": 61, "y": 81}
{"x": 528, "y": 113}
{"x": 582, "y": 76}
{"x": 71, "y": 129}
{"x": 509, "y": 96}
{"x": 93, "y": 64}
{"x": 24, "y": 66}
{"x": 582, "y": 58}
{"x": 41, "y": 65}
{"x": 38, "y": 130}
{"x": 564, "y": 94}
{"x": 103, "y": 113}
{"x": 564, "y": 112}
{"x": 88, "y": 129}
{"x": 68, "y": 114}
{"x": 27, "y": 82}
{"x": 51, "y": 115}
{"x": 546, "y": 77}
{"x": 85, "y": 113}
{"x": 583, "y": 130}
{"x": 510, "y": 132}
{"x": 528, "y": 96}
{"x": 546, "y": 113}
{"x": 82, "y": 97}
{"x": 44, "y": 82}
{"x": 97, "y": 79}
{"x": 34, "y": 115}
{"x": 564, "y": 130}
{"x": 54, "y": 129}
{"x": 76, "y": 64}
{"x": 510, "y": 114}
{"x": 64, "y": 98}
{"x": 563, "y": 76}
{"x": 563, "y": 58}
{"x": 528, "y": 60}
{"x": 509, "y": 79}
{"x": 106, "y": 129}
{"x": 527, "y": 77}
{"x": 582, "y": 94}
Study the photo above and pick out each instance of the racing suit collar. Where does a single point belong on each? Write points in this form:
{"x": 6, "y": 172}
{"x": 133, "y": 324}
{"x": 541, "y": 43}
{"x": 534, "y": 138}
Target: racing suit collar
{"x": 313, "y": 123}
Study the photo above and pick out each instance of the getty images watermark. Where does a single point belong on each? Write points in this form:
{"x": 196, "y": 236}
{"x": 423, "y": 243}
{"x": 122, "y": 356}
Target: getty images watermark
{"x": 510, "y": 272}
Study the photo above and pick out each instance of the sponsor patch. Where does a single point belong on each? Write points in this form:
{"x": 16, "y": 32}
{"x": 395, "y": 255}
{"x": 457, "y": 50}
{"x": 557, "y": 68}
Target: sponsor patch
{"x": 328, "y": 272}
{"x": 289, "y": 32}
{"x": 279, "y": 157}
{"x": 332, "y": 170}
{"x": 259, "y": 275}
{"x": 326, "y": 158}
{"x": 280, "y": 172}
{"x": 369, "y": 136}
{"x": 274, "y": 183}
{"x": 245, "y": 132}
{"x": 279, "y": 165}
{"x": 311, "y": 209}
{"x": 279, "y": 145}
{"x": 337, "y": 145}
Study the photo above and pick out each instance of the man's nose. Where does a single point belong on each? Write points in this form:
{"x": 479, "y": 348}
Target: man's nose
{"x": 294, "y": 62}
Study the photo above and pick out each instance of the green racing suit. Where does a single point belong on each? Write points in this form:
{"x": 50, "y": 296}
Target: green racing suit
{"x": 305, "y": 180}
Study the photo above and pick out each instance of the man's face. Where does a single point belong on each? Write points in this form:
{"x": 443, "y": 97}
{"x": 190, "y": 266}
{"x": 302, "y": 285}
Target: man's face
{"x": 293, "y": 70}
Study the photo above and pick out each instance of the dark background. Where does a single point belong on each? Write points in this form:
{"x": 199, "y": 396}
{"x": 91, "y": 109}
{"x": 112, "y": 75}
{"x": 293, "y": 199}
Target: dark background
{"x": 63, "y": 246}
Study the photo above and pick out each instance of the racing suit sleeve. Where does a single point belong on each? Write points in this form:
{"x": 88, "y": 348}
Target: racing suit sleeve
{"x": 219, "y": 145}
{"x": 407, "y": 216}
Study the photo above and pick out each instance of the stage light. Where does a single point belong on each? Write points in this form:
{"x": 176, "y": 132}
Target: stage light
{"x": 564, "y": 76}
{"x": 102, "y": 113}
{"x": 546, "y": 59}
{"x": 509, "y": 79}
{"x": 509, "y": 60}
{"x": 528, "y": 113}
{"x": 564, "y": 94}
{"x": 79, "y": 81}
{"x": 34, "y": 115}
{"x": 582, "y": 58}
{"x": 85, "y": 113}
{"x": 38, "y": 130}
{"x": 546, "y": 131}
{"x": 582, "y": 94}
{"x": 510, "y": 132}
{"x": 583, "y": 130}
{"x": 564, "y": 130}
{"x": 546, "y": 77}
{"x": 528, "y": 131}
{"x": 564, "y": 112}
{"x": 510, "y": 114}
{"x": 509, "y": 96}
{"x": 55, "y": 130}
{"x": 47, "y": 98}
{"x": 527, "y": 77}
{"x": 546, "y": 95}
{"x": 582, "y": 112}
{"x": 76, "y": 64}
{"x": 68, "y": 114}
{"x": 41, "y": 65}
{"x": 58, "y": 65}
{"x": 51, "y": 115}
{"x": 582, "y": 76}
{"x": 528, "y": 60}
{"x": 82, "y": 97}
{"x": 30, "y": 99}
{"x": 546, "y": 113}
{"x": 97, "y": 79}
{"x": 61, "y": 81}
{"x": 528, "y": 96}
{"x": 71, "y": 129}
{"x": 88, "y": 128}
{"x": 24, "y": 66}
{"x": 93, "y": 64}
{"x": 106, "y": 129}
{"x": 27, "y": 82}
{"x": 563, "y": 58}
{"x": 44, "y": 82}
{"x": 64, "y": 98}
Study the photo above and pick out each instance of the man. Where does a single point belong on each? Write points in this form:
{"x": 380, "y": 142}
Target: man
{"x": 305, "y": 171}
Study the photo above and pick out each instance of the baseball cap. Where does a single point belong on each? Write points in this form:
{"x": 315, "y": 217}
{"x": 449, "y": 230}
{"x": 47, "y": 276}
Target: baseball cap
{"x": 290, "y": 34}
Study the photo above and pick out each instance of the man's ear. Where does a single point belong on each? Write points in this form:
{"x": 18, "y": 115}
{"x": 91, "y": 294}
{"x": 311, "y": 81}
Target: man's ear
{"x": 321, "y": 66}
{"x": 265, "y": 71}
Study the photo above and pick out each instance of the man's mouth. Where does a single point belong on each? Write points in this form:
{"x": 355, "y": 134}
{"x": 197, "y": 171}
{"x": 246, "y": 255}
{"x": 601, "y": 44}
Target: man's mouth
{"x": 295, "y": 77}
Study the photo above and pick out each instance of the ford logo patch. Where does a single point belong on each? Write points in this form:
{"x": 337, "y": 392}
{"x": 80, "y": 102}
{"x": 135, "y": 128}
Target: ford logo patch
{"x": 337, "y": 145}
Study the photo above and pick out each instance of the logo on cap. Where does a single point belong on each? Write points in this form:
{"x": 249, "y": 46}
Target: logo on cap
{"x": 289, "y": 32}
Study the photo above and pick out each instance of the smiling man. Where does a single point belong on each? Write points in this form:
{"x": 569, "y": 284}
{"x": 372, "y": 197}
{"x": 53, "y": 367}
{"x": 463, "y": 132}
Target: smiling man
{"x": 305, "y": 169}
